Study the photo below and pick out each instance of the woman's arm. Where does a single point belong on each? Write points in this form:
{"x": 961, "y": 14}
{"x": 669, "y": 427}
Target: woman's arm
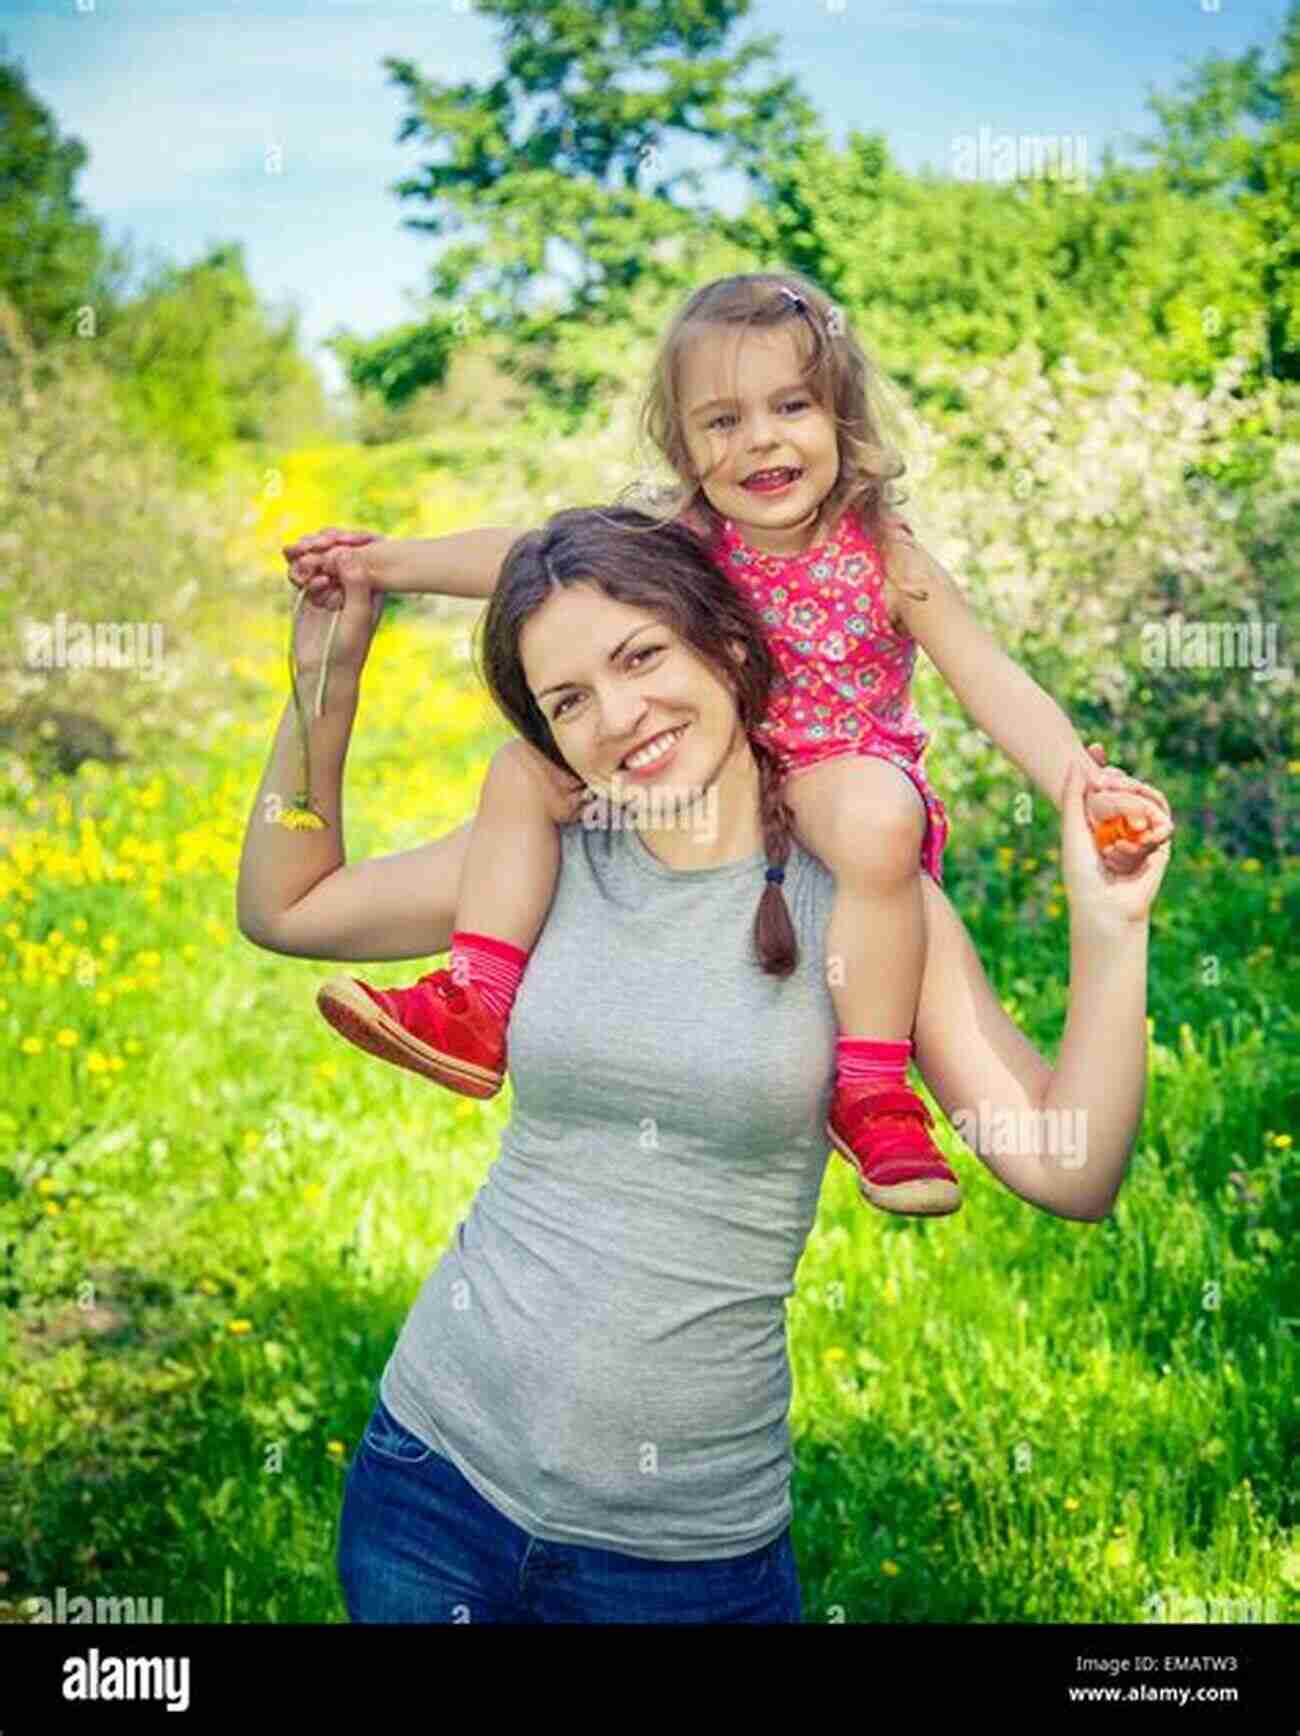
{"x": 1061, "y": 1136}
{"x": 296, "y": 894}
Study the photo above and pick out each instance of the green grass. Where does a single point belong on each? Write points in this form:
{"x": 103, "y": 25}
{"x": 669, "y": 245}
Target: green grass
{"x": 1000, "y": 1416}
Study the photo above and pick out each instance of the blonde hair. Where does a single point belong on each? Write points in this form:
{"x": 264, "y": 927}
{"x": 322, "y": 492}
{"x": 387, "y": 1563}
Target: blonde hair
{"x": 835, "y": 369}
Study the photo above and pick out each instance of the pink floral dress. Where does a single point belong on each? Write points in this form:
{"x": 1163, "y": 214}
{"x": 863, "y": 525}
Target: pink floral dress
{"x": 845, "y": 672}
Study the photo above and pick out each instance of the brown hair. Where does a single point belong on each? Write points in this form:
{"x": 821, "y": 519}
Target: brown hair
{"x": 835, "y": 369}
{"x": 665, "y": 569}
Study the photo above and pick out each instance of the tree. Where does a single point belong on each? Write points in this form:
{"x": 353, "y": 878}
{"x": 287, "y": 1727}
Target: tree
{"x": 197, "y": 359}
{"x": 560, "y": 165}
{"x": 1204, "y": 150}
{"x": 53, "y": 259}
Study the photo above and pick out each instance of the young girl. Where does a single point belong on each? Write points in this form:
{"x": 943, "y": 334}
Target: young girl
{"x": 760, "y": 402}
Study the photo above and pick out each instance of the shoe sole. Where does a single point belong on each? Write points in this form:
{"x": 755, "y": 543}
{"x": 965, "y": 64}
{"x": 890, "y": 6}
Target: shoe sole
{"x": 352, "y": 1013}
{"x": 931, "y": 1197}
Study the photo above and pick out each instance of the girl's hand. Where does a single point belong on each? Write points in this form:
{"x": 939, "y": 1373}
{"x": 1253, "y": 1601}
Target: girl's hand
{"x": 313, "y": 564}
{"x": 1110, "y": 898}
{"x": 1112, "y": 796}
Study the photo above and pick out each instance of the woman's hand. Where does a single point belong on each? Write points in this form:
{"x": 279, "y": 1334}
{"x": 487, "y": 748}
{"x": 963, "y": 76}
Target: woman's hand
{"x": 1110, "y": 795}
{"x": 349, "y": 610}
{"x": 314, "y": 562}
{"x": 1118, "y": 886}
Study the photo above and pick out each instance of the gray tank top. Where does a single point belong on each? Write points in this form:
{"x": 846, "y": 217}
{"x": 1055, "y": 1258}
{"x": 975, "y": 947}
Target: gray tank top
{"x": 601, "y": 1350}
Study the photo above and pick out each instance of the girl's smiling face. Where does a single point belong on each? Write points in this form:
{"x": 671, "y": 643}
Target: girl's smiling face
{"x": 746, "y": 410}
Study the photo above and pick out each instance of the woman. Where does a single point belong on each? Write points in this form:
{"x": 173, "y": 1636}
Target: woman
{"x": 585, "y": 1417}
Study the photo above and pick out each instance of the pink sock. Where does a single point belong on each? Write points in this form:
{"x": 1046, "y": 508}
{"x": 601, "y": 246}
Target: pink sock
{"x": 859, "y": 1062}
{"x": 493, "y": 966}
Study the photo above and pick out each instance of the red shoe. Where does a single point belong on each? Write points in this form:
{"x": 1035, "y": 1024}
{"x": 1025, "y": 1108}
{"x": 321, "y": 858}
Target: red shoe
{"x": 436, "y": 1028}
{"x": 883, "y": 1134}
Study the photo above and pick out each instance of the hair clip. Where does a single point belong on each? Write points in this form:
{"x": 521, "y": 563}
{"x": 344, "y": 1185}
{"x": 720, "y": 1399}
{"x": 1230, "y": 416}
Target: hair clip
{"x": 796, "y": 301}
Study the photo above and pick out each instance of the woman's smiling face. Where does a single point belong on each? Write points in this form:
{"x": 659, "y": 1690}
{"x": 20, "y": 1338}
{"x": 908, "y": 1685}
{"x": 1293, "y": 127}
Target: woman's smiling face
{"x": 745, "y": 410}
{"x": 609, "y": 677}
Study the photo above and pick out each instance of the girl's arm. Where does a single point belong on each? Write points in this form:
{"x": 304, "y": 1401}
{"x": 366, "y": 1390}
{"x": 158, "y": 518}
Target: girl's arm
{"x": 1006, "y": 703}
{"x": 1059, "y": 1136}
{"x": 466, "y": 563}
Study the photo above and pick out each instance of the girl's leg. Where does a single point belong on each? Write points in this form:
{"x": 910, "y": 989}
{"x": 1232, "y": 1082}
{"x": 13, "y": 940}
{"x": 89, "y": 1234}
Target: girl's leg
{"x": 508, "y": 882}
{"x": 866, "y": 821}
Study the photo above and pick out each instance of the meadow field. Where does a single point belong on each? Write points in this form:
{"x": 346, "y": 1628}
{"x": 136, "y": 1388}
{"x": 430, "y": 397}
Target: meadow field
{"x": 214, "y": 1214}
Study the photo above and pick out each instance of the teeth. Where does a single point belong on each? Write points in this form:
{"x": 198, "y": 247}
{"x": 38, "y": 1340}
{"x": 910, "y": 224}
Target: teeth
{"x": 770, "y": 475}
{"x": 656, "y": 750}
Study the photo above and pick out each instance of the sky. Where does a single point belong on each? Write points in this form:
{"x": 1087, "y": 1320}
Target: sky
{"x": 274, "y": 123}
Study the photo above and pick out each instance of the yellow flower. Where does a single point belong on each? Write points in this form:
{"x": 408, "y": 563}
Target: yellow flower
{"x": 208, "y": 1287}
{"x": 335, "y": 1449}
{"x": 252, "y": 1141}
{"x": 299, "y": 820}
{"x": 1071, "y": 1505}
{"x": 1283, "y": 1141}
{"x": 1031, "y": 862}
{"x": 33, "y": 1045}
{"x": 834, "y": 1354}
{"x": 312, "y": 1192}
{"x": 327, "y": 1069}
{"x": 96, "y": 1063}
{"x": 238, "y": 1327}
{"x": 47, "y": 1184}
{"x": 67, "y": 1039}
{"x": 110, "y": 943}
{"x": 890, "y": 1567}
{"x": 116, "y": 1063}
{"x": 79, "y": 925}
{"x": 1293, "y": 766}
{"x": 53, "y": 1207}
{"x": 55, "y": 937}
{"x": 1250, "y": 866}
{"x": 1053, "y": 908}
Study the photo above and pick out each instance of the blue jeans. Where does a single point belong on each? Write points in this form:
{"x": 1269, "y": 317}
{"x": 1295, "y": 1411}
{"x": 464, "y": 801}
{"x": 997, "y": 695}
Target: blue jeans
{"x": 418, "y": 1543}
